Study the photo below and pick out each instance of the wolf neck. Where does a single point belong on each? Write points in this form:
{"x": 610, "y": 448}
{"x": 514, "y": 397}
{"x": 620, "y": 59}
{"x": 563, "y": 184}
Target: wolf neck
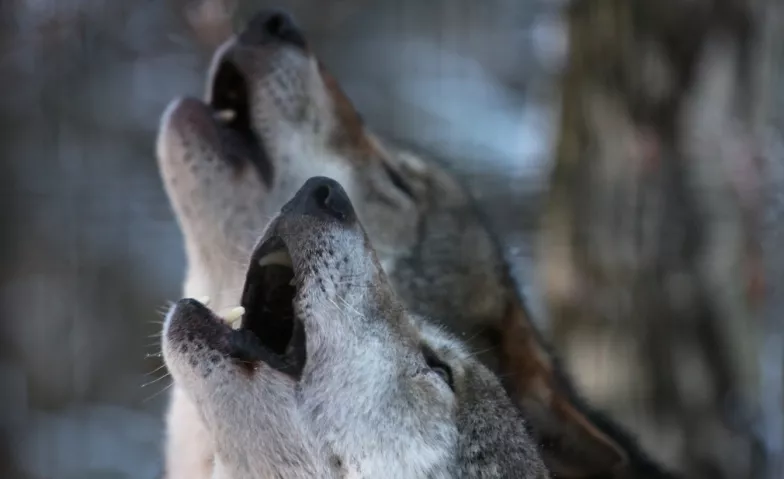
{"x": 215, "y": 262}
{"x": 223, "y": 285}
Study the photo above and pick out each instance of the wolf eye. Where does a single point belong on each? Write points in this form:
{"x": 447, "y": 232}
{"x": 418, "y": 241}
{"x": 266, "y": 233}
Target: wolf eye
{"x": 438, "y": 367}
{"x": 444, "y": 372}
{"x": 397, "y": 180}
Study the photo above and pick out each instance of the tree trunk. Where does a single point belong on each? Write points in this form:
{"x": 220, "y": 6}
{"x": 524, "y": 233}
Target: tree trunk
{"x": 649, "y": 250}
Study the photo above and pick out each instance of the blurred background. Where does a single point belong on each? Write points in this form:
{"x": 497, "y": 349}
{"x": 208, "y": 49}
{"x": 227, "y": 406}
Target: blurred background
{"x": 90, "y": 249}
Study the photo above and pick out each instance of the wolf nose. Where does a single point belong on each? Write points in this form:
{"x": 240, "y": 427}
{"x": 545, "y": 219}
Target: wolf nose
{"x": 322, "y": 197}
{"x": 271, "y": 26}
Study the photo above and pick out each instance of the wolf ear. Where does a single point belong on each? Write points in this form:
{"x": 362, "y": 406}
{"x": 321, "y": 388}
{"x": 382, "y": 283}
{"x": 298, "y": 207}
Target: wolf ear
{"x": 574, "y": 441}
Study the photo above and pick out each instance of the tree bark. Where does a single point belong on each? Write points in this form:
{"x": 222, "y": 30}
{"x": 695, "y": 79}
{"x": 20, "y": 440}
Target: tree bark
{"x": 650, "y": 234}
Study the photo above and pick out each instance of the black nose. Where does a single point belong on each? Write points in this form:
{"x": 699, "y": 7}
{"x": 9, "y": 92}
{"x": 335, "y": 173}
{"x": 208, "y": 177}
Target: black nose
{"x": 271, "y": 26}
{"x": 323, "y": 198}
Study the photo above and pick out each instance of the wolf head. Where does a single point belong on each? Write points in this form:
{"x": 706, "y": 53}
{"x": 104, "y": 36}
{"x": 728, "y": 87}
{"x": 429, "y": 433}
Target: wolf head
{"x": 329, "y": 374}
{"x": 273, "y": 118}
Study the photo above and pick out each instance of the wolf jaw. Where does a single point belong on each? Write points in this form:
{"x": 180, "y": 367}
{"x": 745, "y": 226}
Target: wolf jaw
{"x": 265, "y": 320}
{"x": 264, "y": 327}
{"x": 227, "y": 174}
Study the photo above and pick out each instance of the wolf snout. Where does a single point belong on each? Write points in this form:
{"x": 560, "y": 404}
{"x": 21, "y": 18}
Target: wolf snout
{"x": 271, "y": 26}
{"x": 323, "y": 198}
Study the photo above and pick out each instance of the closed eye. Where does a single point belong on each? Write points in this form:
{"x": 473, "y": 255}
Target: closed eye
{"x": 439, "y": 367}
{"x": 397, "y": 180}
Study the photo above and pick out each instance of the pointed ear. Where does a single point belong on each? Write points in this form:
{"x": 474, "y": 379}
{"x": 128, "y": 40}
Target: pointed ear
{"x": 573, "y": 440}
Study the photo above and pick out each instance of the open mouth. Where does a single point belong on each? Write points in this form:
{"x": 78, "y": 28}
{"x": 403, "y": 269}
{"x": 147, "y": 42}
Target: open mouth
{"x": 230, "y": 102}
{"x": 268, "y": 296}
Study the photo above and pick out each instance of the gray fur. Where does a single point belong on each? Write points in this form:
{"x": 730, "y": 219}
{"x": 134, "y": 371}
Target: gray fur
{"x": 440, "y": 260}
{"x": 221, "y": 210}
{"x": 367, "y": 404}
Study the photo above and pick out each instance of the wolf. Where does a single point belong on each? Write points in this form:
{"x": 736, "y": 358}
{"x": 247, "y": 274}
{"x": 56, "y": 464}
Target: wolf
{"x": 329, "y": 376}
{"x": 273, "y": 117}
